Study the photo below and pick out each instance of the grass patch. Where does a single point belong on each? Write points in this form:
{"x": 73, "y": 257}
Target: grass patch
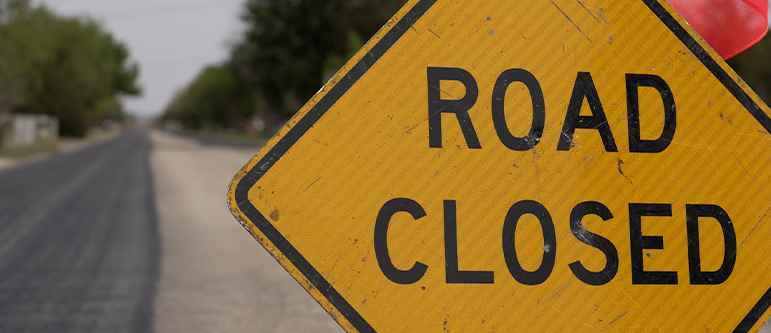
{"x": 36, "y": 148}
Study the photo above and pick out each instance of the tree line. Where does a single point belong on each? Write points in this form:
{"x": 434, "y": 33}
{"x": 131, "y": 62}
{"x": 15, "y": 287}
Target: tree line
{"x": 70, "y": 67}
{"x": 292, "y": 47}
{"x": 288, "y": 51}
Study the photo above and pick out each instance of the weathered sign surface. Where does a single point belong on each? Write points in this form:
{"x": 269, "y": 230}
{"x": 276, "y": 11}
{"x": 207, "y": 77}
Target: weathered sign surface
{"x": 524, "y": 166}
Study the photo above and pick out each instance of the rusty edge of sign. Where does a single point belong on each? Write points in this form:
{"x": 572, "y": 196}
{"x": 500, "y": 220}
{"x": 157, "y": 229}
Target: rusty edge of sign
{"x": 246, "y": 179}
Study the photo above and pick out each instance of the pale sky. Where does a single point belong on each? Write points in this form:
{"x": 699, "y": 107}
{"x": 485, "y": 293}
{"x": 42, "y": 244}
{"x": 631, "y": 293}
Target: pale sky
{"x": 172, "y": 40}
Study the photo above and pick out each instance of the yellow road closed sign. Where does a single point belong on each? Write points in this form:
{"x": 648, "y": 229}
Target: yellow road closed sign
{"x": 524, "y": 166}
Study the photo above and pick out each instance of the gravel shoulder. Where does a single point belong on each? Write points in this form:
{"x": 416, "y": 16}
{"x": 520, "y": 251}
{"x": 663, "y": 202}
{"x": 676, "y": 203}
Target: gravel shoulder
{"x": 214, "y": 277}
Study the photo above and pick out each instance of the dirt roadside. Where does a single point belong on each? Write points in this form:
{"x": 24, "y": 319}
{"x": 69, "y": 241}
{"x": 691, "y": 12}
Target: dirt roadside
{"x": 214, "y": 276}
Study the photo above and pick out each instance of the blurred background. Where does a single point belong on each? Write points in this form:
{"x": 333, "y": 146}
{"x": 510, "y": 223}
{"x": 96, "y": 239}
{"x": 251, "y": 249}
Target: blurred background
{"x": 121, "y": 124}
{"x": 108, "y": 227}
{"x": 228, "y": 66}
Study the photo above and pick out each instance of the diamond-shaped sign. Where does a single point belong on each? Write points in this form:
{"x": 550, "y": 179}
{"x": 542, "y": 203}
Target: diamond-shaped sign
{"x": 524, "y": 166}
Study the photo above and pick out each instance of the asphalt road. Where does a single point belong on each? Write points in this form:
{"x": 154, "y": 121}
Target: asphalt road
{"x": 134, "y": 235}
{"x": 79, "y": 241}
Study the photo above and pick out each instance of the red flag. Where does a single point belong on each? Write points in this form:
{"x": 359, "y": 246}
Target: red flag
{"x": 729, "y": 26}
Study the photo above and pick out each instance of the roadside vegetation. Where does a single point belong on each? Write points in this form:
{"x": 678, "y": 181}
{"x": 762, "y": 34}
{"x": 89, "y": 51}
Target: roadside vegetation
{"x": 292, "y": 47}
{"x": 40, "y": 147}
{"x": 289, "y": 50}
{"x": 70, "y": 67}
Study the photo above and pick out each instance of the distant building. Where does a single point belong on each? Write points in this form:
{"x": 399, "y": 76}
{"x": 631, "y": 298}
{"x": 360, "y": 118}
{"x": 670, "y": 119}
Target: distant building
{"x": 18, "y": 130}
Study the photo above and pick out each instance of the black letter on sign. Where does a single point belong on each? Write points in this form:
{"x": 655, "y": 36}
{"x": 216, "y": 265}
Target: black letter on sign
{"x": 394, "y": 274}
{"x": 692, "y": 214}
{"x": 453, "y": 275}
{"x": 499, "y": 118}
{"x": 549, "y": 239}
{"x": 584, "y": 87}
{"x": 603, "y": 244}
{"x": 460, "y": 107}
{"x": 637, "y": 145}
{"x": 640, "y": 242}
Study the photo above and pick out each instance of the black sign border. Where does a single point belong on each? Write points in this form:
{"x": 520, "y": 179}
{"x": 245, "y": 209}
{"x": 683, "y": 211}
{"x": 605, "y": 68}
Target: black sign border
{"x": 754, "y": 109}
{"x": 358, "y": 70}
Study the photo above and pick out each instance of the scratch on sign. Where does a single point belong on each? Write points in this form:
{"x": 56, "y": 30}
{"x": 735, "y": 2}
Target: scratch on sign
{"x": 571, "y": 21}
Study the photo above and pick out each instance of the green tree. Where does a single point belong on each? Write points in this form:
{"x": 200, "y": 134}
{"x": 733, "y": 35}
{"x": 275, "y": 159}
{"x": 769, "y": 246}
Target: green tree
{"x": 215, "y": 99}
{"x": 66, "y": 66}
{"x": 293, "y": 46}
{"x": 290, "y": 49}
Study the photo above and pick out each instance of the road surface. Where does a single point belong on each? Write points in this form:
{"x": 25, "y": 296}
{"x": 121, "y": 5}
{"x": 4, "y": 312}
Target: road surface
{"x": 133, "y": 235}
{"x": 79, "y": 241}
